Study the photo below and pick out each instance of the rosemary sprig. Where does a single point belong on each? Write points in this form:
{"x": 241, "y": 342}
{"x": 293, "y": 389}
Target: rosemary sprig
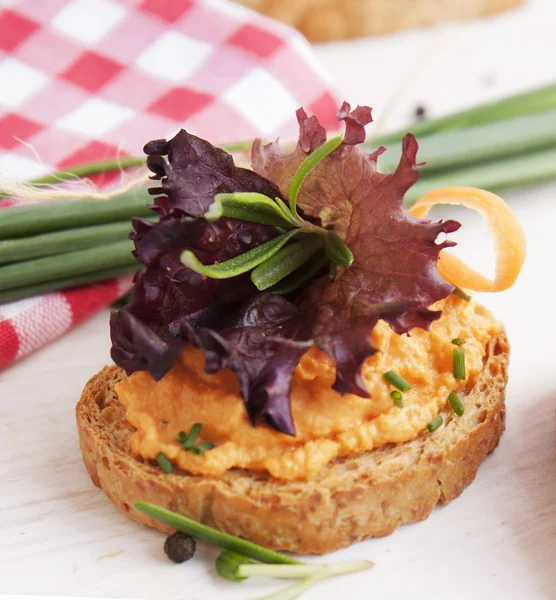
{"x": 276, "y": 259}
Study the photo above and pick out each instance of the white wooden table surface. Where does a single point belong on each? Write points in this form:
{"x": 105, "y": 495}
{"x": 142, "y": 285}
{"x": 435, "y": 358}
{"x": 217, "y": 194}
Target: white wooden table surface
{"x": 60, "y": 536}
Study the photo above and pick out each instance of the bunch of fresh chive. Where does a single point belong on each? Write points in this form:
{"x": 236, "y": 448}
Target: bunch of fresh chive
{"x": 501, "y": 145}
{"x": 241, "y": 559}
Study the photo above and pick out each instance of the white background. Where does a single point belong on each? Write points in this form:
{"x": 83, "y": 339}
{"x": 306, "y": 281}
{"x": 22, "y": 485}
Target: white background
{"x": 59, "y": 536}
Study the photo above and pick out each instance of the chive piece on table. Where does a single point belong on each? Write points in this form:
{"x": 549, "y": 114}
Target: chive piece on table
{"x": 31, "y": 219}
{"x": 458, "y": 341}
{"x": 463, "y": 295}
{"x": 435, "y": 423}
{"x": 397, "y": 398}
{"x": 459, "y": 363}
{"x": 35, "y": 289}
{"x": 164, "y": 463}
{"x": 397, "y": 381}
{"x": 70, "y": 264}
{"x": 456, "y": 403}
{"x": 202, "y": 448}
{"x": 61, "y": 242}
{"x": 189, "y": 442}
{"x": 228, "y": 563}
{"x": 213, "y": 536}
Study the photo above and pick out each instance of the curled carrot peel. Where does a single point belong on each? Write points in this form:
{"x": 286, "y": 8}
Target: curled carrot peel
{"x": 509, "y": 239}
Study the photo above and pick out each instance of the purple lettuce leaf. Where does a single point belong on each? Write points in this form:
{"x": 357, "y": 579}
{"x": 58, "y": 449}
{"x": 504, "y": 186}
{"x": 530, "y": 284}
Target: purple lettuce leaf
{"x": 263, "y": 346}
{"x": 151, "y": 330}
{"x": 194, "y": 172}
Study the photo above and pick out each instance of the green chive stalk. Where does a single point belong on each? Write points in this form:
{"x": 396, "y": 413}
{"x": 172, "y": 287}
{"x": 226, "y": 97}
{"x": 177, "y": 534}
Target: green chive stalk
{"x": 60, "y": 242}
{"x": 19, "y": 293}
{"x": 532, "y": 101}
{"x": 456, "y": 403}
{"x": 496, "y": 176}
{"x": 91, "y": 168}
{"x": 298, "y": 571}
{"x": 33, "y": 219}
{"x": 459, "y": 363}
{"x": 71, "y": 264}
{"x": 397, "y": 381}
{"x": 114, "y": 164}
{"x": 213, "y": 536}
{"x": 451, "y": 149}
{"x": 435, "y": 423}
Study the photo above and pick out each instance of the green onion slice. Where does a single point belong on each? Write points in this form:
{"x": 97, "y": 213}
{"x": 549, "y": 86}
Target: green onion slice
{"x": 397, "y": 381}
{"x": 202, "y": 448}
{"x": 190, "y": 440}
{"x": 397, "y": 398}
{"x": 456, "y": 403}
{"x": 164, "y": 463}
{"x": 228, "y": 563}
{"x": 213, "y": 536}
{"x": 459, "y": 363}
{"x": 435, "y": 423}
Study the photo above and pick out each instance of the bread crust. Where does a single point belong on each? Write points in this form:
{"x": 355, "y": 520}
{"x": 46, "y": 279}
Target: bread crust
{"x": 326, "y": 20}
{"x": 353, "y": 498}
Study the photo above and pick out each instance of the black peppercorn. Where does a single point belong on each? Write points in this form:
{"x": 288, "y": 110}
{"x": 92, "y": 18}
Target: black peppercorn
{"x": 420, "y": 112}
{"x": 179, "y": 547}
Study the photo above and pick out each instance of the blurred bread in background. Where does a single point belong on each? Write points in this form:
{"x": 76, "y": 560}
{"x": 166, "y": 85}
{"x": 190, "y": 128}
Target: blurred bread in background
{"x": 326, "y": 20}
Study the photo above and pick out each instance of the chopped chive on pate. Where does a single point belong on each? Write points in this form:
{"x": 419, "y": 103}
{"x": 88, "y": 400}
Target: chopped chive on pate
{"x": 435, "y": 423}
{"x": 164, "y": 463}
{"x": 459, "y": 292}
{"x": 397, "y": 398}
{"x": 190, "y": 440}
{"x": 456, "y": 403}
{"x": 397, "y": 381}
{"x": 458, "y": 341}
{"x": 182, "y": 436}
{"x": 459, "y": 363}
{"x": 202, "y": 448}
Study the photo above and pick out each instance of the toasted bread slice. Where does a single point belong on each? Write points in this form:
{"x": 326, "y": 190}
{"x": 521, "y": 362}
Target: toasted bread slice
{"x": 326, "y": 20}
{"x": 351, "y": 499}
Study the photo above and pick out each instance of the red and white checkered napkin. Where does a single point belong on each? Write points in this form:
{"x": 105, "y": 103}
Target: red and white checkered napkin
{"x": 82, "y": 80}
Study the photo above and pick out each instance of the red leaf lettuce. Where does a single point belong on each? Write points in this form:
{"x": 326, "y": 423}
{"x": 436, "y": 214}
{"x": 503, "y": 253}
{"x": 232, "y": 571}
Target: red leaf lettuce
{"x": 263, "y": 336}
